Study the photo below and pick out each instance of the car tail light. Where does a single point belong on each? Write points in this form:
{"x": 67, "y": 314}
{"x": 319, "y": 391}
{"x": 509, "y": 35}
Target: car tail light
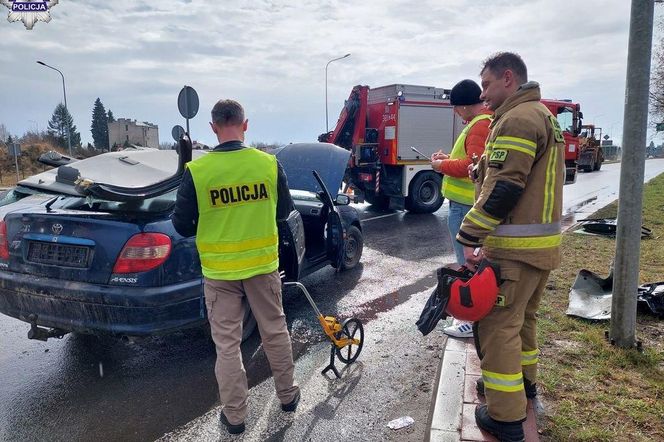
{"x": 143, "y": 252}
{"x": 366, "y": 177}
{"x": 4, "y": 243}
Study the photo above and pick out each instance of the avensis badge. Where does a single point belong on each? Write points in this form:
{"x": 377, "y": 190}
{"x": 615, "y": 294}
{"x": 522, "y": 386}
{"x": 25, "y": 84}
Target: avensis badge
{"x": 29, "y": 11}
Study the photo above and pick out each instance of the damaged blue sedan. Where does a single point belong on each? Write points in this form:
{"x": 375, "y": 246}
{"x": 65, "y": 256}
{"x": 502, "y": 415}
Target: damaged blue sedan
{"x": 89, "y": 246}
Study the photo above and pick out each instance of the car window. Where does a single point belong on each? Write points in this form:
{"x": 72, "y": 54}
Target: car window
{"x": 303, "y": 195}
{"x": 158, "y": 204}
{"x": 15, "y": 194}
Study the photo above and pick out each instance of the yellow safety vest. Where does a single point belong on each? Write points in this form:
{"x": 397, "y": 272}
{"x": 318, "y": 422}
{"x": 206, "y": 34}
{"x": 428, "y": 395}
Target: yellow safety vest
{"x": 461, "y": 190}
{"x": 237, "y": 235}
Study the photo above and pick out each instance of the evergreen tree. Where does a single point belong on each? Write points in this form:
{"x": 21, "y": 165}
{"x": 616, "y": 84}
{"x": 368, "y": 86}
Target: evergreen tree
{"x": 111, "y": 118}
{"x": 57, "y": 127}
{"x": 99, "y": 127}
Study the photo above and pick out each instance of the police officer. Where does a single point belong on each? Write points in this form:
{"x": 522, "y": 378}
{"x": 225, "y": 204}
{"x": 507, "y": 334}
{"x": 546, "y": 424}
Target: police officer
{"x": 516, "y": 222}
{"x": 457, "y": 187}
{"x": 231, "y": 199}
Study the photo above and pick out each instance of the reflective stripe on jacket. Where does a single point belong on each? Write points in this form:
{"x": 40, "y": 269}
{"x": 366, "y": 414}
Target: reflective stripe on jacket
{"x": 237, "y": 234}
{"x": 524, "y": 150}
{"x": 461, "y": 190}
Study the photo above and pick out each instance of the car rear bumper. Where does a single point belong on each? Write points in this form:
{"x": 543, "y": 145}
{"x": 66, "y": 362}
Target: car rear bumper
{"x": 118, "y": 310}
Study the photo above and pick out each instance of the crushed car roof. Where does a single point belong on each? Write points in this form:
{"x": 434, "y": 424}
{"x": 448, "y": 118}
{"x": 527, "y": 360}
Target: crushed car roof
{"x": 137, "y": 174}
{"x": 127, "y": 169}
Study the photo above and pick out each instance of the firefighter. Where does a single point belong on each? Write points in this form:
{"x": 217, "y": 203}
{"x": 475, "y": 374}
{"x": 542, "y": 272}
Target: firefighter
{"x": 231, "y": 199}
{"x": 516, "y": 222}
{"x": 457, "y": 187}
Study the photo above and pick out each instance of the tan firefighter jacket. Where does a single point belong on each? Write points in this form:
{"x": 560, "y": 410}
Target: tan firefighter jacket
{"x": 519, "y": 189}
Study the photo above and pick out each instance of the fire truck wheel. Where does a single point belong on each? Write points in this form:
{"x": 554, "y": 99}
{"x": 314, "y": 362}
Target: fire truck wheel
{"x": 424, "y": 193}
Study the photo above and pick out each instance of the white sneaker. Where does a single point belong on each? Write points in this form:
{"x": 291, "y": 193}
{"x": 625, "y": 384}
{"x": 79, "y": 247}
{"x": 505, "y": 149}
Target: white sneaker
{"x": 460, "y": 329}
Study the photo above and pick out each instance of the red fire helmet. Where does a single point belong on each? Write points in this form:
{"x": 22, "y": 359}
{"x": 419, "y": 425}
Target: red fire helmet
{"x": 470, "y": 295}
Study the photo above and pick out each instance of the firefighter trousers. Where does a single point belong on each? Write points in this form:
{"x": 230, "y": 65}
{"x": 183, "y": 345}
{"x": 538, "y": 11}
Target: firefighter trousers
{"x": 506, "y": 340}
{"x": 225, "y": 307}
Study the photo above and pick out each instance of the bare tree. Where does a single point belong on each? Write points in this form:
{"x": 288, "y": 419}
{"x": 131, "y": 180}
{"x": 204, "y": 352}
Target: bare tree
{"x": 657, "y": 80}
{"x": 4, "y": 133}
{"x": 266, "y": 147}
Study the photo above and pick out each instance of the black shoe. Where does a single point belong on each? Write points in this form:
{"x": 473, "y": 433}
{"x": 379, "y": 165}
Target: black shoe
{"x": 232, "y": 429}
{"x": 503, "y": 431}
{"x": 292, "y": 405}
{"x": 531, "y": 389}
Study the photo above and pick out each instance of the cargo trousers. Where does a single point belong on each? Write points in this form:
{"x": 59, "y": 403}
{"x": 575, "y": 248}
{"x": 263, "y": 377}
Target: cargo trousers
{"x": 225, "y": 307}
{"x": 506, "y": 340}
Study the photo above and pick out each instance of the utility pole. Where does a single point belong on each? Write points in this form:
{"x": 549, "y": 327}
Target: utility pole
{"x": 630, "y": 197}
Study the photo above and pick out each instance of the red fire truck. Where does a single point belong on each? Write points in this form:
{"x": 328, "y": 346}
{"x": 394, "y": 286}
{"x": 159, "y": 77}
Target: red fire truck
{"x": 380, "y": 125}
{"x": 570, "y": 119}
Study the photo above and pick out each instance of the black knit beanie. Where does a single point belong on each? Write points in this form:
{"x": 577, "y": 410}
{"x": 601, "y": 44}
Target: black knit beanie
{"x": 465, "y": 93}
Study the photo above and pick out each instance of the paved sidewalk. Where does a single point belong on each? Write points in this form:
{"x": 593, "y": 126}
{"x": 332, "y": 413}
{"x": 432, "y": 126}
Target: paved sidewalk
{"x": 453, "y": 414}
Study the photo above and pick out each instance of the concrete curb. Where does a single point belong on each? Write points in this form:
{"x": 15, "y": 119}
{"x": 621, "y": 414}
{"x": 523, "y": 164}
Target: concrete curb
{"x": 455, "y": 398}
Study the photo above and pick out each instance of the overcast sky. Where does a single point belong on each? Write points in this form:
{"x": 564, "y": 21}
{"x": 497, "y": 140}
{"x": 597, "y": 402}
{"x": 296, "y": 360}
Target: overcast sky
{"x": 270, "y": 55}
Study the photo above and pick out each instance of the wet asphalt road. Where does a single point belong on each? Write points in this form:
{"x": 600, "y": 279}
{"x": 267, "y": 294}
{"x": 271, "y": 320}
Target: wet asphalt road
{"x": 87, "y": 388}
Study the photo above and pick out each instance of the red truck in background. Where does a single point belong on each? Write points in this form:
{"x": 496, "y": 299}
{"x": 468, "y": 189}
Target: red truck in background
{"x": 569, "y": 117}
{"x": 380, "y": 125}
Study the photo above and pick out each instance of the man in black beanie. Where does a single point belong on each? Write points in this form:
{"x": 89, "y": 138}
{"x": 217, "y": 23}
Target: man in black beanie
{"x": 457, "y": 187}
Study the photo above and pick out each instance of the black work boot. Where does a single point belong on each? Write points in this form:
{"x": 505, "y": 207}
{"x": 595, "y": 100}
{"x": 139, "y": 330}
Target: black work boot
{"x": 232, "y": 429}
{"x": 292, "y": 405}
{"x": 503, "y": 431}
{"x": 531, "y": 389}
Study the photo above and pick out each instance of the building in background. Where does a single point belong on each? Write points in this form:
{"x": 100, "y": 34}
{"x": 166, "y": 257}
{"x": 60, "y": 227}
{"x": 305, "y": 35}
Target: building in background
{"x": 125, "y": 132}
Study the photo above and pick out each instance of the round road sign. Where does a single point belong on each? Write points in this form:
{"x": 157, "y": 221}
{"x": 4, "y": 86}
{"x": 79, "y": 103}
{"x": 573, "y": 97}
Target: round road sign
{"x": 177, "y": 132}
{"x": 188, "y": 102}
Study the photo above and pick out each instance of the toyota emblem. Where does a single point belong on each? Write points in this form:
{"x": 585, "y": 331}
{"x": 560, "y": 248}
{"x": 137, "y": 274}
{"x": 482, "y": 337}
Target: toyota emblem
{"x": 56, "y": 229}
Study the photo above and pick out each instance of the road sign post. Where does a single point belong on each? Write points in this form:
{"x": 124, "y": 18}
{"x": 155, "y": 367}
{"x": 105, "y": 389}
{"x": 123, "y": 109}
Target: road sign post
{"x": 630, "y": 197}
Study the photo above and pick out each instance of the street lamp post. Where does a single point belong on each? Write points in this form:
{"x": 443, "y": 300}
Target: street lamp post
{"x": 327, "y": 128}
{"x": 64, "y": 92}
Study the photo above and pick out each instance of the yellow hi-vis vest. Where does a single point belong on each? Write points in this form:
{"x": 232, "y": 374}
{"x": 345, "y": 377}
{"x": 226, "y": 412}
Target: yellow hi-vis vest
{"x": 237, "y": 235}
{"x": 461, "y": 190}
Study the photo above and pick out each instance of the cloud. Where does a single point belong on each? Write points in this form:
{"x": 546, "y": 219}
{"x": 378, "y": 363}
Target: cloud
{"x": 271, "y": 55}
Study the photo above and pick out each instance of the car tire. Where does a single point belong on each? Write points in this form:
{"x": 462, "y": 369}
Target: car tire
{"x": 424, "y": 194}
{"x": 352, "y": 248}
{"x": 598, "y": 165}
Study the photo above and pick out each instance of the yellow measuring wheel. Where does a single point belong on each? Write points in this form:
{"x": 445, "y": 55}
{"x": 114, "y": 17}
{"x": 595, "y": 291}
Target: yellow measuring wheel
{"x": 347, "y": 337}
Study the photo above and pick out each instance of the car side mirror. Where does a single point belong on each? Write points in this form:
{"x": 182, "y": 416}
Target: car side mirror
{"x": 342, "y": 200}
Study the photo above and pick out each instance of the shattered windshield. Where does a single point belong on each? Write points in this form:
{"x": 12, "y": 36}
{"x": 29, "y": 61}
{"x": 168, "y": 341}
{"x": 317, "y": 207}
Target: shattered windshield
{"x": 69, "y": 202}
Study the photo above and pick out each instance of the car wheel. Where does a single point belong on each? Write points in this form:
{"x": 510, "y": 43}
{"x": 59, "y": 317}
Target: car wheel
{"x": 424, "y": 195}
{"x": 598, "y": 165}
{"x": 352, "y": 248}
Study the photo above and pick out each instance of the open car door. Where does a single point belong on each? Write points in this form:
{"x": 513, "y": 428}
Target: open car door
{"x": 334, "y": 231}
